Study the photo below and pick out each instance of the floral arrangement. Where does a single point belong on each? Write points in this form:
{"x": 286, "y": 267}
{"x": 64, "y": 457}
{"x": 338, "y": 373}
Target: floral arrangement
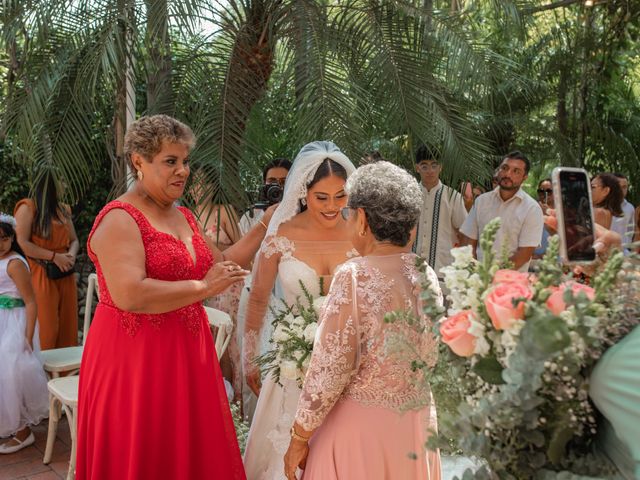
{"x": 522, "y": 346}
{"x": 294, "y": 332}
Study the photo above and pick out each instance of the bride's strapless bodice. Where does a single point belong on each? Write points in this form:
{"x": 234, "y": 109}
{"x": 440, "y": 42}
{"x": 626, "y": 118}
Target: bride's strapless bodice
{"x": 291, "y": 273}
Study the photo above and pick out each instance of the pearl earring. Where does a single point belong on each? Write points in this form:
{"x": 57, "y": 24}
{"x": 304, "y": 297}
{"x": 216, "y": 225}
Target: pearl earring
{"x": 303, "y": 201}
{"x": 140, "y": 175}
{"x": 363, "y": 233}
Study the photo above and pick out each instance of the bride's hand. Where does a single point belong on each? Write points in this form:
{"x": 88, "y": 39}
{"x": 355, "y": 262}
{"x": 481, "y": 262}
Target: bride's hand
{"x": 253, "y": 380}
{"x": 295, "y": 457}
{"x": 223, "y": 275}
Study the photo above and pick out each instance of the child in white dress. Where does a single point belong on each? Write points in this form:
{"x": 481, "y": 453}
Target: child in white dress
{"x": 23, "y": 383}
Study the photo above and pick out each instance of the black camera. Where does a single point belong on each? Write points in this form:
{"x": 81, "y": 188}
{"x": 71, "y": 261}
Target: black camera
{"x": 270, "y": 194}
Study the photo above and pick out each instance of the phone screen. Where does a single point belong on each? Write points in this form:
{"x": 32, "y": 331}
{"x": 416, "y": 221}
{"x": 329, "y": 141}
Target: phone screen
{"x": 578, "y": 223}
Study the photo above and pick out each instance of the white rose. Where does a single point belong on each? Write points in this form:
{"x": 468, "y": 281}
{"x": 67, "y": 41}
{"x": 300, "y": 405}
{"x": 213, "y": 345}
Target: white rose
{"x": 288, "y": 318}
{"x": 318, "y": 303}
{"x": 279, "y": 334}
{"x": 310, "y": 332}
{"x": 298, "y": 326}
{"x": 289, "y": 369}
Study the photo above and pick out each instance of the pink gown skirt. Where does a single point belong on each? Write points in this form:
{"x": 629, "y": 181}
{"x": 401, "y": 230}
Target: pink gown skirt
{"x": 358, "y": 442}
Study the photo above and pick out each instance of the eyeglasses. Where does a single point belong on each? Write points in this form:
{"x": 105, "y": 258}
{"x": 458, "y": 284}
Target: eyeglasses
{"x": 425, "y": 167}
{"x": 344, "y": 212}
{"x": 548, "y": 191}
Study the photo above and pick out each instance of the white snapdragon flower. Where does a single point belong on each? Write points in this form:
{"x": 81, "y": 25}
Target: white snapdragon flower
{"x": 289, "y": 369}
{"x": 309, "y": 333}
{"x": 462, "y": 256}
{"x": 318, "y": 303}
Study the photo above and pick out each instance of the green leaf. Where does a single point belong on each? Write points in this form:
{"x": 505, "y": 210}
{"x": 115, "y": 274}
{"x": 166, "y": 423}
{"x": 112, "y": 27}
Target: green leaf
{"x": 542, "y": 336}
{"x": 490, "y": 370}
{"x": 558, "y": 443}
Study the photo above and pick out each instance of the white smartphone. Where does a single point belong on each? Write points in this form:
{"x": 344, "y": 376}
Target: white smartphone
{"x": 574, "y": 211}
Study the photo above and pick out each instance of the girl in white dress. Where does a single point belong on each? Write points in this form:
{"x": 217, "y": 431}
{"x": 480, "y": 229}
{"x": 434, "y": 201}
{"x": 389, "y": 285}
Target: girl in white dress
{"x": 306, "y": 241}
{"x": 23, "y": 383}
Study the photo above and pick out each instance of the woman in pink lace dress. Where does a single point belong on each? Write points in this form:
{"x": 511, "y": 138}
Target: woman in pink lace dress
{"x": 363, "y": 413}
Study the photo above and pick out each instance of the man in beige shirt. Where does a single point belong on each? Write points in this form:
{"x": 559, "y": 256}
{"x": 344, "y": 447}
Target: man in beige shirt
{"x": 442, "y": 214}
{"x": 522, "y": 222}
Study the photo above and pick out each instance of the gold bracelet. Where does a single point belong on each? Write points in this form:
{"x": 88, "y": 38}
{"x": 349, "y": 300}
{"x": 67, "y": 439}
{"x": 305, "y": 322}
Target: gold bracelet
{"x": 264, "y": 225}
{"x": 295, "y": 435}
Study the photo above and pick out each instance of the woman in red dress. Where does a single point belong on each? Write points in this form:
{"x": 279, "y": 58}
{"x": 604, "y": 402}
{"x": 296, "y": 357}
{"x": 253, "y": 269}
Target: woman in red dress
{"x": 152, "y": 403}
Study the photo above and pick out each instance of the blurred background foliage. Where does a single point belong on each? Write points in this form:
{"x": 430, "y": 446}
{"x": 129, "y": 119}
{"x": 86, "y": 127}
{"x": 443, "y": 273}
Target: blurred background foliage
{"x": 257, "y": 79}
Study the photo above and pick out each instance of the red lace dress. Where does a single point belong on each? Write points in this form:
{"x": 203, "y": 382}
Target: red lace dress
{"x": 152, "y": 404}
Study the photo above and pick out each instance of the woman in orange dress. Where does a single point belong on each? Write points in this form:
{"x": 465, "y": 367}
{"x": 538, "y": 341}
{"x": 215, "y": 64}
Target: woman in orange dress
{"x": 46, "y": 234}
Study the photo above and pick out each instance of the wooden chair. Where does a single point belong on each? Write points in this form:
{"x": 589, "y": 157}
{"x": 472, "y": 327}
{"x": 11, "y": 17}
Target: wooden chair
{"x": 63, "y": 394}
{"x": 222, "y": 324}
{"x": 63, "y": 391}
{"x": 68, "y": 359}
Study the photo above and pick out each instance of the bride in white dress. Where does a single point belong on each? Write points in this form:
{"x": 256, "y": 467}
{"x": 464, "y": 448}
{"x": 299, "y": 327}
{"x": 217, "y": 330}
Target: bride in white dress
{"x": 306, "y": 241}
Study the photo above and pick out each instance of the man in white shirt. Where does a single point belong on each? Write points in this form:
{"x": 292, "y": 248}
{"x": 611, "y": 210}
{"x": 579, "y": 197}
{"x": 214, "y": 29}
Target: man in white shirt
{"x": 522, "y": 223}
{"x": 442, "y": 214}
{"x": 274, "y": 173}
{"x": 625, "y": 225}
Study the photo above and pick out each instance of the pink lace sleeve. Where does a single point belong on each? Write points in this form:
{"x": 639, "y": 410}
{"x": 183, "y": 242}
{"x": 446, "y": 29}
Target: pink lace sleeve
{"x": 335, "y": 353}
{"x": 264, "y": 277}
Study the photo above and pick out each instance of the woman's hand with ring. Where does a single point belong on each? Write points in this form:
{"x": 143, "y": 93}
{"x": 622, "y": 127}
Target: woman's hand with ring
{"x": 222, "y": 275}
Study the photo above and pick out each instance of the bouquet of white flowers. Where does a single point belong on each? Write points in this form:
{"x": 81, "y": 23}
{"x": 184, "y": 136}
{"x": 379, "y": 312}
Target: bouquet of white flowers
{"x": 294, "y": 332}
{"x": 522, "y": 347}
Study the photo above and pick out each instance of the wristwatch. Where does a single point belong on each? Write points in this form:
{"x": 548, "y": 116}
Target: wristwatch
{"x": 297, "y": 436}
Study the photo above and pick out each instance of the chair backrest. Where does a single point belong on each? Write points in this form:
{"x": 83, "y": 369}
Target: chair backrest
{"x": 92, "y": 286}
{"x": 224, "y": 325}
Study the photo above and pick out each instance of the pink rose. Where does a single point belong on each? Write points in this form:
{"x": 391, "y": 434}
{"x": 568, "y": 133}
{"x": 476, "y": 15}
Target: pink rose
{"x": 499, "y": 303}
{"x": 454, "y": 331}
{"x": 555, "y": 302}
{"x": 510, "y": 276}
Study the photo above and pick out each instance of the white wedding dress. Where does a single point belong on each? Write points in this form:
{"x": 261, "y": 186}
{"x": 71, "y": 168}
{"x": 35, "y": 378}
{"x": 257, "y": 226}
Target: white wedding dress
{"x": 269, "y": 434}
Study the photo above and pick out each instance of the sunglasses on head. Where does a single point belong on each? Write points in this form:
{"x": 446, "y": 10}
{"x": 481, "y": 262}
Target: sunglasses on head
{"x": 545, "y": 190}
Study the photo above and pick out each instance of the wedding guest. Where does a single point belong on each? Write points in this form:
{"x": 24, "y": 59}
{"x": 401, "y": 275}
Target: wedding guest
{"x": 152, "y": 403}
{"x": 46, "y": 234}
{"x": 220, "y": 224}
{"x": 442, "y": 214}
{"x": 363, "y": 412}
{"x": 606, "y": 195}
{"x": 274, "y": 173}
{"x": 546, "y": 201}
{"x": 24, "y": 399}
{"x": 521, "y": 228}
{"x": 625, "y": 225}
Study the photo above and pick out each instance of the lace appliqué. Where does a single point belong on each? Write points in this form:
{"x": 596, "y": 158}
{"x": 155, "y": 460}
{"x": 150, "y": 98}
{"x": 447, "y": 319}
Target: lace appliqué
{"x": 166, "y": 258}
{"x": 249, "y": 350}
{"x": 276, "y": 244}
{"x": 360, "y": 339}
{"x": 327, "y": 375}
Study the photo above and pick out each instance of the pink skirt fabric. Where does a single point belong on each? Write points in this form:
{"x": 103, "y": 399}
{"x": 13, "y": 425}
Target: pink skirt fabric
{"x": 359, "y": 442}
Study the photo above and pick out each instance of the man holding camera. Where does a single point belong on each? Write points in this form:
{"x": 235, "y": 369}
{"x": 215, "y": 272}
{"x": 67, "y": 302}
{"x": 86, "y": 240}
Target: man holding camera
{"x": 274, "y": 175}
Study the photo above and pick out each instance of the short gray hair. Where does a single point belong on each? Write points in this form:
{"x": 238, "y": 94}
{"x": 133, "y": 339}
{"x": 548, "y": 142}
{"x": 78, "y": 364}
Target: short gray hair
{"x": 391, "y": 199}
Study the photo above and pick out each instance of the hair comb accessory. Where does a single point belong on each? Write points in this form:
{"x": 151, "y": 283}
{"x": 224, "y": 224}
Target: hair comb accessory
{"x": 6, "y": 218}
